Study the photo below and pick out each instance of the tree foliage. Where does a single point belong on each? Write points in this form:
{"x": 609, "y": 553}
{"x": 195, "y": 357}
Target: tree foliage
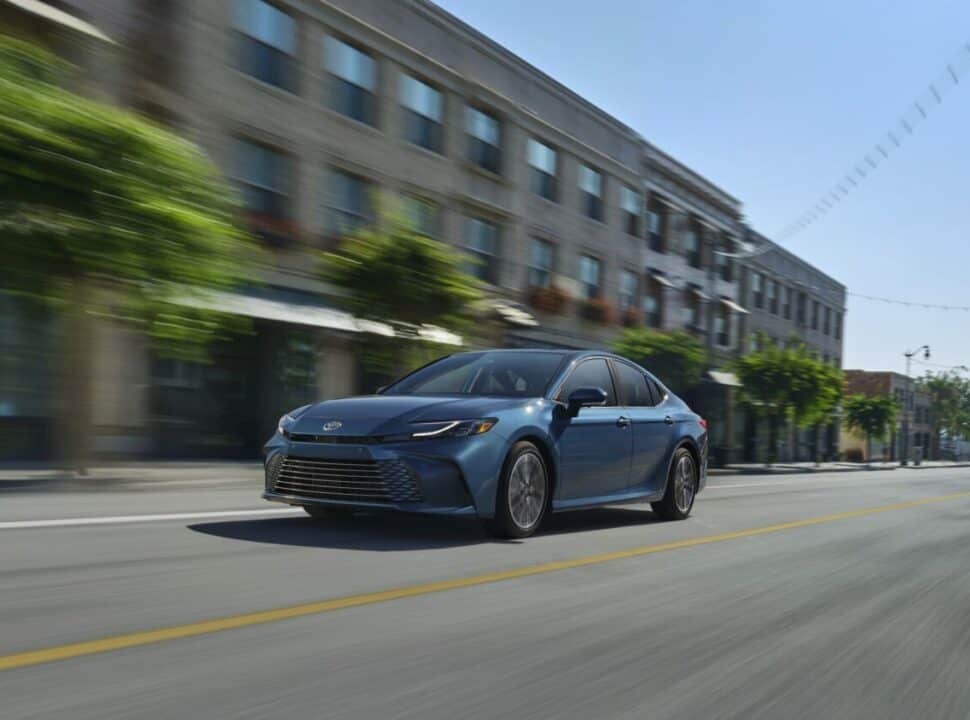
{"x": 787, "y": 384}
{"x": 872, "y": 415}
{"x": 391, "y": 273}
{"x": 103, "y": 213}
{"x": 96, "y": 196}
{"x": 677, "y": 358}
{"x": 949, "y": 402}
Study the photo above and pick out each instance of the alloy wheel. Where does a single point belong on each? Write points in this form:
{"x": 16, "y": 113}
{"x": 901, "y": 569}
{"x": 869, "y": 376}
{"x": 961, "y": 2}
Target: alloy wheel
{"x": 685, "y": 484}
{"x": 527, "y": 490}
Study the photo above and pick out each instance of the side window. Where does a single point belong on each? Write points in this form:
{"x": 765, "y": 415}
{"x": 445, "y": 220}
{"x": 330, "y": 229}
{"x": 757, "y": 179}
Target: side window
{"x": 590, "y": 373}
{"x": 634, "y": 390}
{"x": 657, "y": 392}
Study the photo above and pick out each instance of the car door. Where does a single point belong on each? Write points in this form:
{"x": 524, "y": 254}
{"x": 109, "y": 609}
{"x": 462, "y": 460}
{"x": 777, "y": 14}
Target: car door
{"x": 595, "y": 446}
{"x": 650, "y": 425}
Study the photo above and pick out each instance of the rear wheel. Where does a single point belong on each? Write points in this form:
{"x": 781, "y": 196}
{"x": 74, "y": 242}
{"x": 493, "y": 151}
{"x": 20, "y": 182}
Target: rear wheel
{"x": 681, "y": 487}
{"x": 321, "y": 512}
{"x": 523, "y": 493}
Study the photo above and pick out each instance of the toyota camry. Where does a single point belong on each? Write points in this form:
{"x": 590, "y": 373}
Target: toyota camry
{"x": 507, "y": 435}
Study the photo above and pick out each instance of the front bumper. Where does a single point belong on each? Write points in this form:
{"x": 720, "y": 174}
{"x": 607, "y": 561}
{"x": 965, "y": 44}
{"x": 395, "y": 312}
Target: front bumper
{"x": 415, "y": 477}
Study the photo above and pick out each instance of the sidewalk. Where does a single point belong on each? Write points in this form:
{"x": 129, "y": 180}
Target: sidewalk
{"x": 827, "y": 467}
{"x": 39, "y": 475}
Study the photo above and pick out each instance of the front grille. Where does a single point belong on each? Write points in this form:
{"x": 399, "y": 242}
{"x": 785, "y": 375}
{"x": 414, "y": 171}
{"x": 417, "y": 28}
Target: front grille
{"x": 372, "y": 481}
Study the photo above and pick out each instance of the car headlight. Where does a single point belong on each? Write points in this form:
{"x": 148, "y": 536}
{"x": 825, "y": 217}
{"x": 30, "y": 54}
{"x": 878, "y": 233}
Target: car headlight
{"x": 452, "y": 428}
{"x": 288, "y": 420}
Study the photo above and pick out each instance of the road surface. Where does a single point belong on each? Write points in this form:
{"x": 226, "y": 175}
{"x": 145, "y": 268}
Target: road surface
{"x": 805, "y": 596}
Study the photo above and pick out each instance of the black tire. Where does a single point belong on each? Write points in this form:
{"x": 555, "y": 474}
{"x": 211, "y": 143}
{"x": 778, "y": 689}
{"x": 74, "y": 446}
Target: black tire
{"x": 676, "y": 506}
{"x": 504, "y": 524}
{"x": 323, "y": 512}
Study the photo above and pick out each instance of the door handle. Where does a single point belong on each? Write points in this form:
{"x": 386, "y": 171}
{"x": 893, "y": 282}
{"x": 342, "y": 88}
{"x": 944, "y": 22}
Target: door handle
{"x": 669, "y": 420}
{"x": 623, "y": 421}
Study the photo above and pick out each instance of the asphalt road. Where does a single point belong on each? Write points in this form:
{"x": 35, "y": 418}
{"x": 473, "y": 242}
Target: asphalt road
{"x": 743, "y": 611}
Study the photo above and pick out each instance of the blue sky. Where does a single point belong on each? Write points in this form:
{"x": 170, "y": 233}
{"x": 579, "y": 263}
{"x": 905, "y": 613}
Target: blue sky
{"x": 774, "y": 102}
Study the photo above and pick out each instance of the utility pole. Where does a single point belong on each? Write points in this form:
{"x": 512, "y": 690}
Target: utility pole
{"x": 909, "y": 399}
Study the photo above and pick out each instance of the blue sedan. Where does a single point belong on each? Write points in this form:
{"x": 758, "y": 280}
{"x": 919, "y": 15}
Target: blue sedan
{"x": 507, "y": 435}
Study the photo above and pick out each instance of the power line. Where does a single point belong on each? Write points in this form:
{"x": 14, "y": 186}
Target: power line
{"x": 917, "y": 113}
{"x": 860, "y": 171}
{"x": 907, "y": 303}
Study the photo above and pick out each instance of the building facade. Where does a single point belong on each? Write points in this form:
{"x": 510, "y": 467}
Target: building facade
{"x": 790, "y": 301}
{"x": 320, "y": 111}
{"x": 912, "y": 411}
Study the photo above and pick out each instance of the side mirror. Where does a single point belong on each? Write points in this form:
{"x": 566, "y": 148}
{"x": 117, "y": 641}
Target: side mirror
{"x": 380, "y": 389}
{"x": 584, "y": 397}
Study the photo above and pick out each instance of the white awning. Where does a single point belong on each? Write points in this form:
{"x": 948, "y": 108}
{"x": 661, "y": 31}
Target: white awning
{"x": 514, "y": 314}
{"x": 722, "y": 377}
{"x": 734, "y": 306}
{"x": 662, "y": 279}
{"x": 310, "y": 315}
{"x": 698, "y": 292}
{"x": 59, "y": 17}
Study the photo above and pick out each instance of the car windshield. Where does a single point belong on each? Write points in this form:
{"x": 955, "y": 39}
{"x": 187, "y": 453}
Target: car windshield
{"x": 506, "y": 374}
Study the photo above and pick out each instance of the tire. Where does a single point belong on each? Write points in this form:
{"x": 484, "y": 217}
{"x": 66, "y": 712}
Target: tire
{"x": 522, "y": 498}
{"x": 321, "y": 512}
{"x": 677, "y": 501}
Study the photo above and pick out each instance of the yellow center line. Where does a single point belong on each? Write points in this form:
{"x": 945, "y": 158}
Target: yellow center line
{"x": 118, "y": 642}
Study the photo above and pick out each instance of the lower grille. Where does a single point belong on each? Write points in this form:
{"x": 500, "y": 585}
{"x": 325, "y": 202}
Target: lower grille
{"x": 372, "y": 481}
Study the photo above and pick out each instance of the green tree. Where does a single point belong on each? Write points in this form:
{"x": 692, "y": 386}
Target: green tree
{"x": 949, "y": 405}
{"x": 677, "y": 358}
{"x": 787, "y": 384}
{"x": 392, "y": 274}
{"x": 872, "y": 415}
{"x": 107, "y": 214}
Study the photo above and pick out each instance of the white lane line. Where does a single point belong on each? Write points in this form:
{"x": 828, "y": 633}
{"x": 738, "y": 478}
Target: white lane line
{"x": 118, "y": 519}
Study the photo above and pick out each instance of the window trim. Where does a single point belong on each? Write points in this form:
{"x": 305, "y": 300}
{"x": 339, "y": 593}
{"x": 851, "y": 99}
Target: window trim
{"x": 554, "y": 395}
{"x": 614, "y": 363}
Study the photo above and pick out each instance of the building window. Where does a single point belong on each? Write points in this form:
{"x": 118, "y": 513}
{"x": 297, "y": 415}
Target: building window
{"x": 692, "y": 244}
{"x": 653, "y": 304}
{"x": 542, "y": 254}
{"x": 722, "y": 331}
{"x": 838, "y": 326}
{"x": 723, "y": 264}
{"x": 692, "y": 308}
{"x": 266, "y": 43}
{"x": 757, "y": 289}
{"x": 350, "y": 203}
{"x": 353, "y": 80}
{"x": 422, "y": 113}
{"x": 773, "y": 296}
{"x": 542, "y": 170}
{"x": 656, "y": 224}
{"x": 263, "y": 175}
{"x": 589, "y": 277}
{"x": 815, "y": 313}
{"x": 591, "y": 192}
{"x": 628, "y": 290}
{"x": 800, "y": 315}
{"x": 481, "y": 242}
{"x": 424, "y": 216}
{"x": 631, "y": 206}
{"x": 786, "y": 302}
{"x": 827, "y": 321}
{"x": 484, "y": 139}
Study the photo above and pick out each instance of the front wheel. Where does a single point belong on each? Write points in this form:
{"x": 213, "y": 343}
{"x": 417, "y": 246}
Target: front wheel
{"x": 523, "y": 493}
{"x": 681, "y": 490}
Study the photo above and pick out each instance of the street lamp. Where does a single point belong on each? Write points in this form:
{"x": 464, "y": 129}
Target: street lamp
{"x": 909, "y": 399}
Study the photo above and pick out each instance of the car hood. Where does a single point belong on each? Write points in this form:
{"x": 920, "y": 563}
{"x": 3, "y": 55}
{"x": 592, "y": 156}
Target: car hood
{"x": 391, "y": 414}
